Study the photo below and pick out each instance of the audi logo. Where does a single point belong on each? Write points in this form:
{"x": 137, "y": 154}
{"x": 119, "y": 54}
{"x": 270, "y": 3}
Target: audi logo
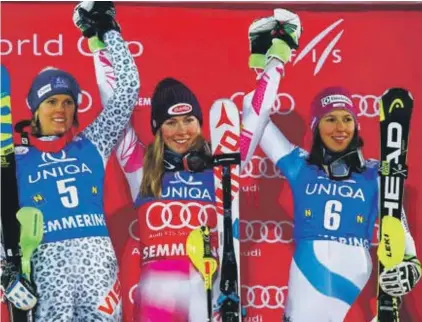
{"x": 177, "y": 215}
{"x": 260, "y": 297}
{"x": 284, "y": 103}
{"x": 260, "y": 167}
{"x": 368, "y": 105}
{"x": 269, "y": 231}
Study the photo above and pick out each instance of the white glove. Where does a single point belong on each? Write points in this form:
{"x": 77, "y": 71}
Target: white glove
{"x": 402, "y": 278}
{"x": 286, "y": 35}
{"x": 291, "y": 27}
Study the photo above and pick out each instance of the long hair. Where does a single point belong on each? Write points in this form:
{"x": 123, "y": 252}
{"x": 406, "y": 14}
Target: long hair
{"x": 154, "y": 164}
{"x": 153, "y": 167}
{"x": 316, "y": 155}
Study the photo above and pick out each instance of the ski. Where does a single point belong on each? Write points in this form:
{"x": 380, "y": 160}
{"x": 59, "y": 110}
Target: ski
{"x": 396, "y": 106}
{"x": 225, "y": 133}
{"x": 9, "y": 193}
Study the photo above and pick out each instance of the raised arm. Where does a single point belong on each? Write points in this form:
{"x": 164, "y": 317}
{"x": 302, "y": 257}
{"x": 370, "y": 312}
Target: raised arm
{"x": 272, "y": 141}
{"x": 107, "y": 128}
{"x": 271, "y": 39}
{"x": 130, "y": 154}
{"x": 129, "y": 150}
{"x": 97, "y": 19}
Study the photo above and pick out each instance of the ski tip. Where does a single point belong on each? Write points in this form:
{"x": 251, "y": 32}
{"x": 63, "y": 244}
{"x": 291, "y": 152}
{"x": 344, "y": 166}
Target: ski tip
{"x": 397, "y": 92}
{"x": 5, "y": 82}
{"x": 395, "y": 100}
{"x": 3, "y": 69}
{"x": 224, "y": 114}
{"x": 223, "y": 102}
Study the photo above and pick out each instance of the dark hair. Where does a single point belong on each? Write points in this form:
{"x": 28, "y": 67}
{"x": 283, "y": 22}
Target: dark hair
{"x": 316, "y": 155}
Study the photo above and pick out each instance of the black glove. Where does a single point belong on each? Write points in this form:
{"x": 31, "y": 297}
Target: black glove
{"x": 95, "y": 18}
{"x": 261, "y": 34}
{"x": 273, "y": 36}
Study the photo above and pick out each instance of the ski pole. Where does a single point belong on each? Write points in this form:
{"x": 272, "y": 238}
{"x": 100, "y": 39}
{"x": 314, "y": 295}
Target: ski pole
{"x": 31, "y": 234}
{"x": 198, "y": 248}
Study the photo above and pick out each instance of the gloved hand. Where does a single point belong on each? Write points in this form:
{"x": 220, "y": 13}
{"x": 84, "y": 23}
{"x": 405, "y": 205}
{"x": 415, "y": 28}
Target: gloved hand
{"x": 17, "y": 289}
{"x": 260, "y": 40}
{"x": 402, "y": 278}
{"x": 289, "y": 28}
{"x": 95, "y": 18}
{"x": 274, "y": 36}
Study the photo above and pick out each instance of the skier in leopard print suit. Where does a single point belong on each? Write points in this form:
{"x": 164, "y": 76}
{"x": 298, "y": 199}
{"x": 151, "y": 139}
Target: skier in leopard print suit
{"x": 75, "y": 268}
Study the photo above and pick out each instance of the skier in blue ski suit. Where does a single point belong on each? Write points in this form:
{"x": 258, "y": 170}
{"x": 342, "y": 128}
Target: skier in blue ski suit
{"x": 335, "y": 190}
{"x": 75, "y": 268}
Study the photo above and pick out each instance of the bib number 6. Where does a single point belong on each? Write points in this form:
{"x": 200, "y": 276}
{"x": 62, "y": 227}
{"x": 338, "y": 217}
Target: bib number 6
{"x": 332, "y": 214}
{"x": 69, "y": 192}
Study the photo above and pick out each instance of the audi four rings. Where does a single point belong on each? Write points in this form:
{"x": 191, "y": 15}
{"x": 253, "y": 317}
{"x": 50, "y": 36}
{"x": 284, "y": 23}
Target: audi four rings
{"x": 260, "y": 297}
{"x": 177, "y": 215}
{"x": 269, "y": 231}
{"x": 261, "y": 167}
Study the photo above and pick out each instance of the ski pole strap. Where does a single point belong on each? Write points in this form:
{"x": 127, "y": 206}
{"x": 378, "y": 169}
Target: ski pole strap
{"x": 230, "y": 297}
{"x": 205, "y": 231}
{"x": 19, "y": 128}
{"x": 225, "y": 297}
{"x": 226, "y": 159}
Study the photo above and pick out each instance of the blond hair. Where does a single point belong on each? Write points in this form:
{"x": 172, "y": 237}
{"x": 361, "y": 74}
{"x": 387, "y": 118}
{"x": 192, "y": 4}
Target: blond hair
{"x": 154, "y": 165}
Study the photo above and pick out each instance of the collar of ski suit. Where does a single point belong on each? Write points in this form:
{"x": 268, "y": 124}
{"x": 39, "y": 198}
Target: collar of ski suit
{"x": 51, "y": 144}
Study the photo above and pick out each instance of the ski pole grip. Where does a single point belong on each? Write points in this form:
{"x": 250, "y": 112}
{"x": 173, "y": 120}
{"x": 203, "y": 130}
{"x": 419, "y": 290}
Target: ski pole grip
{"x": 31, "y": 234}
{"x": 226, "y": 159}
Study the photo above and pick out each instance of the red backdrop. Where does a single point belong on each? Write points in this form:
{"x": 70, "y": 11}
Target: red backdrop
{"x": 362, "y": 47}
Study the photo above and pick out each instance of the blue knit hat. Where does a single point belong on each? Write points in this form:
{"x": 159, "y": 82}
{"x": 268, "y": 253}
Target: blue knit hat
{"x": 51, "y": 82}
{"x": 172, "y": 98}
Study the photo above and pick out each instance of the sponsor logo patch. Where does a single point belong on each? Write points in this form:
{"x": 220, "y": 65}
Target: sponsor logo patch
{"x": 180, "y": 109}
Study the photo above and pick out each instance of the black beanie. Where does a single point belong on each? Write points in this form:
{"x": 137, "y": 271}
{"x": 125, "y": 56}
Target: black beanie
{"x": 172, "y": 98}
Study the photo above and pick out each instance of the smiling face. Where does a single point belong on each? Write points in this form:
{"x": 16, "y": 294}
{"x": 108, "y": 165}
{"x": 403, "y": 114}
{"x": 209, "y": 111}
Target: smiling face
{"x": 56, "y": 114}
{"x": 179, "y": 132}
{"x": 337, "y": 129}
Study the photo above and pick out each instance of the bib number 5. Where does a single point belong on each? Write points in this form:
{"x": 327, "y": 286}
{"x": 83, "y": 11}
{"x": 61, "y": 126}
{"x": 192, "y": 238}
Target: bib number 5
{"x": 69, "y": 192}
